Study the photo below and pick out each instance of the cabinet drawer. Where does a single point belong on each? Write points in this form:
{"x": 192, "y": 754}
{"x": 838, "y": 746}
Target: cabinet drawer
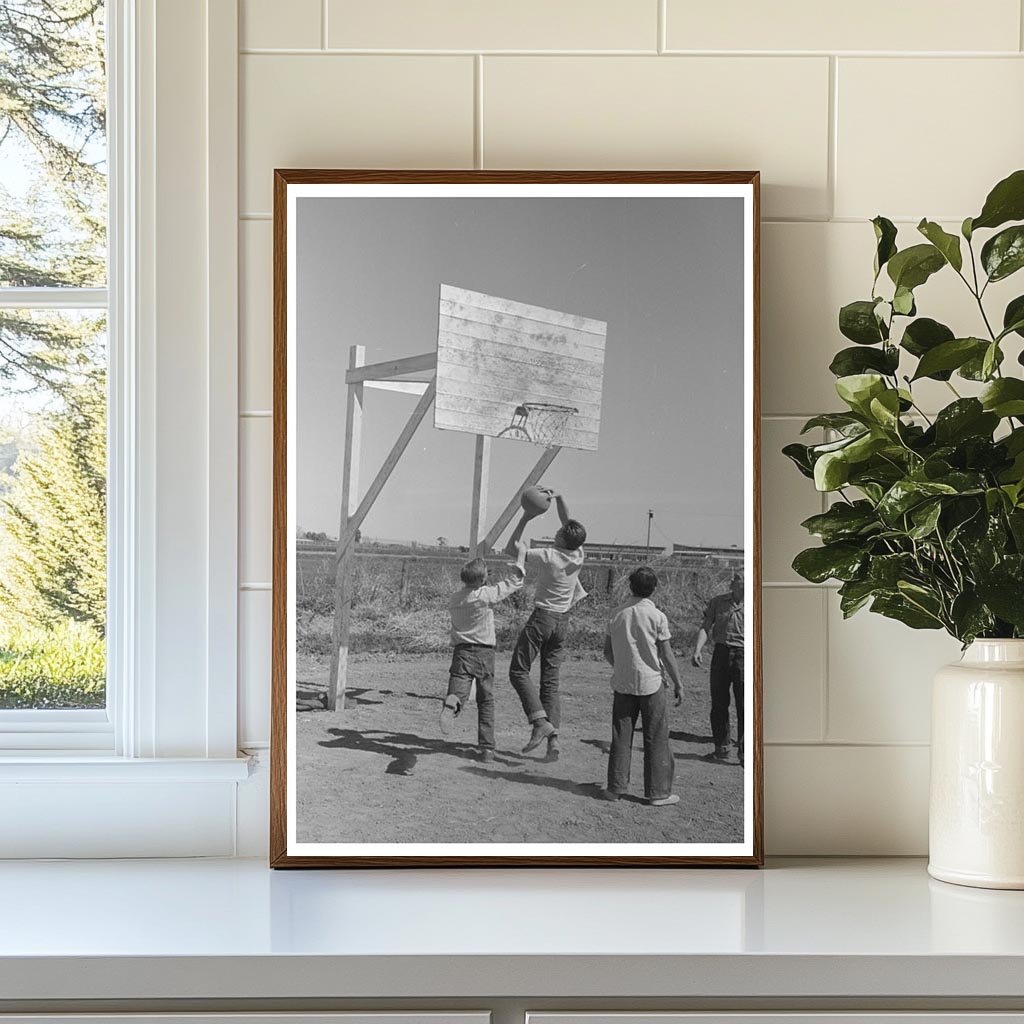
{"x": 788, "y": 1017}
{"x": 360, "y": 1017}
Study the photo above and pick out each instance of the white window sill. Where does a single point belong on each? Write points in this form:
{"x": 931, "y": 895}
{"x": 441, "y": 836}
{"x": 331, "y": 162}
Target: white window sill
{"x": 79, "y": 767}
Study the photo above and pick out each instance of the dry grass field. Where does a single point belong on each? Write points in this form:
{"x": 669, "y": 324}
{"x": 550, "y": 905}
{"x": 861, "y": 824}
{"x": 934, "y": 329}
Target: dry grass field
{"x": 379, "y": 770}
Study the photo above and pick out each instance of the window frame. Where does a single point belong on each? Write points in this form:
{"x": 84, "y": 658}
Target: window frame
{"x": 173, "y": 439}
{"x": 78, "y": 730}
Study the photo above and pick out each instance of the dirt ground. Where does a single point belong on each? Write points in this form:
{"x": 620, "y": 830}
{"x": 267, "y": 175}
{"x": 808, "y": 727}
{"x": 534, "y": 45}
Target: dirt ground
{"x": 380, "y": 770}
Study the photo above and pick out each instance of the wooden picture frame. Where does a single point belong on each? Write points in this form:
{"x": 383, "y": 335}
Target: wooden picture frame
{"x": 413, "y": 375}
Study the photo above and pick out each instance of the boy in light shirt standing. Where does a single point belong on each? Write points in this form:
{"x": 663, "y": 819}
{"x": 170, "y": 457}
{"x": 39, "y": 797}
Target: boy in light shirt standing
{"x": 472, "y": 611}
{"x": 638, "y": 647}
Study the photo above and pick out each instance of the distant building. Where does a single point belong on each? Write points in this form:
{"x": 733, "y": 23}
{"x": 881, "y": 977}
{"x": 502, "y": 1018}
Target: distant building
{"x": 612, "y": 552}
{"x": 693, "y": 554}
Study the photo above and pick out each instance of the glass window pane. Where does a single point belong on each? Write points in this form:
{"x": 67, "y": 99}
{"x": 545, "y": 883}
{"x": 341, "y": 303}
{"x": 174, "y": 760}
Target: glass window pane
{"x": 53, "y": 443}
{"x": 53, "y": 150}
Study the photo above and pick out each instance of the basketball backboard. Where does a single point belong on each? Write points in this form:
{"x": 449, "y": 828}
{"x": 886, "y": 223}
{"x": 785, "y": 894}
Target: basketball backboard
{"x": 506, "y": 369}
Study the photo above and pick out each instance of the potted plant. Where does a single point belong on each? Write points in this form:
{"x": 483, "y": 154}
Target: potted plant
{"x": 927, "y": 521}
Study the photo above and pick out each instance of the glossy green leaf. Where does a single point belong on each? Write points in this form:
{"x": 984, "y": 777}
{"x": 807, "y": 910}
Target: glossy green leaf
{"x": 1013, "y": 316}
{"x": 924, "y": 334}
{"x": 1004, "y": 595}
{"x": 843, "y": 521}
{"x": 849, "y": 361}
{"x": 858, "y": 389}
{"x": 885, "y": 409}
{"x": 965, "y": 228}
{"x": 1003, "y": 254}
{"x": 974, "y": 368}
{"x": 857, "y": 321}
{"x": 903, "y": 301}
{"x": 841, "y": 421}
{"x": 990, "y": 360}
{"x": 904, "y": 495}
{"x": 964, "y": 418}
{"x": 840, "y": 561}
{"x": 971, "y": 616}
{"x": 924, "y": 519}
{"x": 1005, "y": 202}
{"x": 885, "y": 238}
{"x": 947, "y": 244}
{"x": 899, "y": 608}
{"x": 799, "y": 455}
{"x": 831, "y": 471}
{"x": 1004, "y": 397}
{"x": 949, "y": 356}
{"x": 911, "y": 267}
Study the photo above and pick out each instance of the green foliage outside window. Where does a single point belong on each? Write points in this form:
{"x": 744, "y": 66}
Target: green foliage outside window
{"x": 927, "y": 525}
{"x": 52, "y": 365}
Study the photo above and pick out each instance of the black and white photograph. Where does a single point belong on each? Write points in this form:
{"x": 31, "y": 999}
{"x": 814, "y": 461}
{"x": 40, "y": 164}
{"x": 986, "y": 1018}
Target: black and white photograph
{"x": 515, "y": 491}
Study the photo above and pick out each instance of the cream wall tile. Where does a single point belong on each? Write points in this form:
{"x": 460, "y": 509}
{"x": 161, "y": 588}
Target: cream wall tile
{"x": 358, "y": 111}
{"x": 808, "y": 271}
{"x": 787, "y": 498}
{"x": 971, "y": 111}
{"x": 255, "y": 516}
{"x": 654, "y": 112}
{"x": 866, "y": 25}
{"x": 268, "y": 24}
{"x": 846, "y": 801}
{"x": 498, "y": 25}
{"x": 880, "y": 676}
{"x": 254, "y": 667}
{"x": 793, "y": 634}
{"x": 255, "y": 324}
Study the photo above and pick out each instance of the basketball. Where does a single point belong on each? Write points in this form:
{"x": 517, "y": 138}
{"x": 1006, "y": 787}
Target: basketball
{"x": 535, "y": 500}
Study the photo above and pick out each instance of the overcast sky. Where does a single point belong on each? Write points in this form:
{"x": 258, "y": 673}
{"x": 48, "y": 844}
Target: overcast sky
{"x": 667, "y": 276}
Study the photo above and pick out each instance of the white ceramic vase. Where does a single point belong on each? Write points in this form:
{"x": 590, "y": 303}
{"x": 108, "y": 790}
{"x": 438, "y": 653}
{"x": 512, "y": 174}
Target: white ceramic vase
{"x": 976, "y": 815}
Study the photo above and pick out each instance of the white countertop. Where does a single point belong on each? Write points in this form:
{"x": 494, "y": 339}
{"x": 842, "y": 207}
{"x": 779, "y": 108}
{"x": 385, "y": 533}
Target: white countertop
{"x": 234, "y": 929}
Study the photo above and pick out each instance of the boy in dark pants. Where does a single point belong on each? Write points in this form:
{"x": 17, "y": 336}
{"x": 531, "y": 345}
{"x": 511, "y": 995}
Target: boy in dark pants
{"x": 472, "y": 612}
{"x": 558, "y": 589}
{"x": 723, "y": 624}
{"x": 638, "y": 647}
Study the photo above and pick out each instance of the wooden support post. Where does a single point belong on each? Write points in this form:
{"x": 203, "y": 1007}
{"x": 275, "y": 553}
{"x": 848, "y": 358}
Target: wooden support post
{"x": 392, "y": 368}
{"x": 343, "y": 560}
{"x": 481, "y": 476}
{"x": 508, "y": 514}
{"x": 385, "y": 471}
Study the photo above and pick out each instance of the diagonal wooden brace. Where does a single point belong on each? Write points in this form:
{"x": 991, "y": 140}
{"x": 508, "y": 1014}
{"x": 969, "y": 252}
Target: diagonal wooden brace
{"x": 509, "y": 512}
{"x": 357, "y": 517}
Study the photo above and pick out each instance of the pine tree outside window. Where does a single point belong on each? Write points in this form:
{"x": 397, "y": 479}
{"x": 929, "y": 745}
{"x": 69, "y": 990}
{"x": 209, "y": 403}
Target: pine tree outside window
{"x": 53, "y": 361}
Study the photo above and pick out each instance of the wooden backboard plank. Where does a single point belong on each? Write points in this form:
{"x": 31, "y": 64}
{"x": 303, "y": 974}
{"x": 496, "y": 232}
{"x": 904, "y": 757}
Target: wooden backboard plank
{"x": 496, "y": 392}
{"x": 480, "y": 406}
{"x": 552, "y": 316}
{"x": 481, "y": 355}
{"x": 469, "y": 367}
{"x": 509, "y": 369}
{"x": 533, "y": 333}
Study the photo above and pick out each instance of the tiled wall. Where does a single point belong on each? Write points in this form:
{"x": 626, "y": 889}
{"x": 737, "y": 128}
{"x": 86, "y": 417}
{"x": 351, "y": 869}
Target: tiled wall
{"x": 909, "y": 109}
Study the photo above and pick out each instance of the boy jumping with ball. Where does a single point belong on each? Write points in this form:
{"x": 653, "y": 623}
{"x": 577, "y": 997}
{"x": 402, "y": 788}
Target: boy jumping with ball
{"x": 473, "y": 637}
{"x": 638, "y": 647}
{"x": 558, "y": 589}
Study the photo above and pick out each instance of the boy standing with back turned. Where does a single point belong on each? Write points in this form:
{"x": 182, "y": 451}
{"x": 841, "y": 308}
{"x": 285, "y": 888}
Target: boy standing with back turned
{"x": 638, "y": 646}
{"x": 558, "y": 589}
{"x": 472, "y": 611}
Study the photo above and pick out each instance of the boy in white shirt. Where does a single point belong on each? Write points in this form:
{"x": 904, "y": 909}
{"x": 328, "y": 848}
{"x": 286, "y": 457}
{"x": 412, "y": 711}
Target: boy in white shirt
{"x": 472, "y": 611}
{"x": 558, "y": 589}
{"x": 638, "y": 646}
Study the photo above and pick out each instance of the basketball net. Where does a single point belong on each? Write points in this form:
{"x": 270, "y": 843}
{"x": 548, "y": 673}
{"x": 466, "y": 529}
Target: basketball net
{"x": 538, "y": 422}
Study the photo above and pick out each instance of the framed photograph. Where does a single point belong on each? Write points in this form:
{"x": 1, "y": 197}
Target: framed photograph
{"x": 516, "y": 604}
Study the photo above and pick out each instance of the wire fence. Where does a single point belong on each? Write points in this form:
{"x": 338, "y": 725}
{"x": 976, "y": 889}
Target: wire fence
{"x": 400, "y": 600}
